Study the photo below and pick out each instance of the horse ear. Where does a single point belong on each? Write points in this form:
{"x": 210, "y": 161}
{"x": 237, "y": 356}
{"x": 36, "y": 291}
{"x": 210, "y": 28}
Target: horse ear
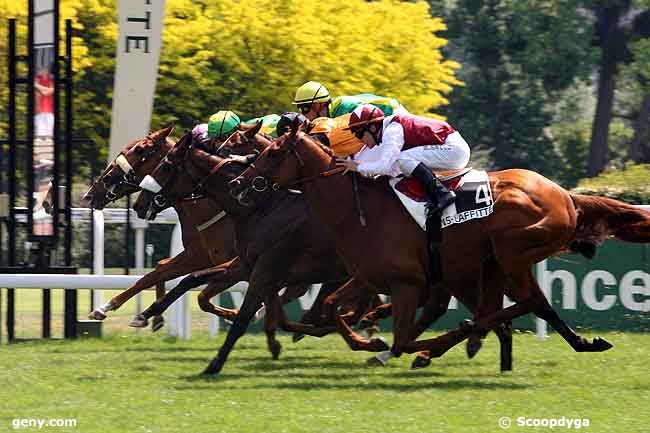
{"x": 296, "y": 125}
{"x": 162, "y": 133}
{"x": 254, "y": 130}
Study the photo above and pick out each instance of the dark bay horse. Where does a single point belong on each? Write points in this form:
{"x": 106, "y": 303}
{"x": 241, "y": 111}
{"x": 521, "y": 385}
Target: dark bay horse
{"x": 533, "y": 219}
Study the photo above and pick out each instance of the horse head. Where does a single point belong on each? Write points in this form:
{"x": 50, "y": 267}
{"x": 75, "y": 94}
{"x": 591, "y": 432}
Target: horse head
{"x": 127, "y": 170}
{"x": 279, "y": 165}
{"x": 181, "y": 175}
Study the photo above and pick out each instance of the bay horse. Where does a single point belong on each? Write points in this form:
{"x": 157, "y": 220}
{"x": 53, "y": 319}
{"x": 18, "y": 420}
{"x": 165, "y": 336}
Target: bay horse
{"x": 533, "y": 219}
{"x": 279, "y": 242}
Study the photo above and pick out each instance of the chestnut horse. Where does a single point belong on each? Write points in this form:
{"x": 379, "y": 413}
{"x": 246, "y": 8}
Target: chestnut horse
{"x": 208, "y": 236}
{"x": 290, "y": 257}
{"x": 533, "y": 219}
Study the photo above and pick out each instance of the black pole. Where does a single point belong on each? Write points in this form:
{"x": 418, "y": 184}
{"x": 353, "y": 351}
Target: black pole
{"x": 56, "y": 169}
{"x": 47, "y": 314}
{"x": 11, "y": 315}
{"x": 11, "y": 252}
{"x": 70, "y": 327}
{"x": 11, "y": 247}
{"x": 127, "y": 236}
{"x": 68, "y": 142}
{"x": 91, "y": 239}
{"x": 29, "y": 155}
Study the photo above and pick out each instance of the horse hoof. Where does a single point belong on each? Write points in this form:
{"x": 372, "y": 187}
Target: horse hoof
{"x": 375, "y": 362}
{"x": 275, "y": 349}
{"x": 139, "y": 321}
{"x": 297, "y": 336}
{"x": 157, "y": 324}
{"x": 379, "y": 345}
{"x": 213, "y": 368}
{"x": 96, "y": 314}
{"x": 473, "y": 346}
{"x": 259, "y": 314}
{"x": 600, "y": 345}
{"x": 420, "y": 362}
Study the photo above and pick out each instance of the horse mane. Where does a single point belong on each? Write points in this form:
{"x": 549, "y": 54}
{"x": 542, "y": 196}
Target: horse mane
{"x": 317, "y": 142}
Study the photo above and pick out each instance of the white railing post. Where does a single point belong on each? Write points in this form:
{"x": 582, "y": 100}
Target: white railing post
{"x": 139, "y": 225}
{"x": 98, "y": 252}
{"x": 541, "y": 273}
{"x": 179, "y": 317}
{"x": 213, "y": 329}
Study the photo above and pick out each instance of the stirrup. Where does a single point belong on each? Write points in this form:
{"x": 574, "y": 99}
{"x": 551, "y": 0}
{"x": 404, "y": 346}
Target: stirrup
{"x": 442, "y": 203}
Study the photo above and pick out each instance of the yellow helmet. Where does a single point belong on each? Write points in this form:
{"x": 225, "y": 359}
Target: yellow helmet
{"x": 311, "y": 92}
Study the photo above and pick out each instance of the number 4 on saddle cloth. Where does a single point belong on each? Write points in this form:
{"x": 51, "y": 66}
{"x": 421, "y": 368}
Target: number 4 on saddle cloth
{"x": 473, "y": 196}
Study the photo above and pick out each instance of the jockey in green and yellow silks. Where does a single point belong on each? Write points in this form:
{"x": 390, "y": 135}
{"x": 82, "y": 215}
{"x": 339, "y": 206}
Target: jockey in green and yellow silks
{"x": 223, "y": 123}
{"x": 314, "y": 100}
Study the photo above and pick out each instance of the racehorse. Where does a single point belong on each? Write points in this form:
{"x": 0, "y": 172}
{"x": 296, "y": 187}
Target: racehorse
{"x": 533, "y": 219}
{"x": 279, "y": 242}
{"x": 208, "y": 235}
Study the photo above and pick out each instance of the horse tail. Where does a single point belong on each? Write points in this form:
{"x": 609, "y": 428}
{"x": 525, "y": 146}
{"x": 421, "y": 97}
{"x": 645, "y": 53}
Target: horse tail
{"x": 601, "y": 217}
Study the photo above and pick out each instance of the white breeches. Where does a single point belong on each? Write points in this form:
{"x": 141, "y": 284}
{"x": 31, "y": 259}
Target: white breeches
{"x": 451, "y": 155}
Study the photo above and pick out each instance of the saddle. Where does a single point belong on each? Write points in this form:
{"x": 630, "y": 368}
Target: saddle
{"x": 451, "y": 179}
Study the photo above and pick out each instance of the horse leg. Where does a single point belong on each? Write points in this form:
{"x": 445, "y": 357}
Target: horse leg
{"x": 274, "y": 306}
{"x": 166, "y": 270}
{"x": 194, "y": 279}
{"x": 350, "y": 292}
{"x": 219, "y": 279}
{"x": 264, "y": 276}
{"x": 158, "y": 321}
{"x": 313, "y": 315}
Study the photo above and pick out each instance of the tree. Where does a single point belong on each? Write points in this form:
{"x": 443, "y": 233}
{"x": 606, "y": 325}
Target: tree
{"x": 517, "y": 57}
{"x": 611, "y": 39}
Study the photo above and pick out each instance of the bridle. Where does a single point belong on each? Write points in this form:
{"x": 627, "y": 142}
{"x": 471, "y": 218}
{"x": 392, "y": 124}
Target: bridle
{"x": 129, "y": 176}
{"x": 260, "y": 183}
{"x": 162, "y": 197}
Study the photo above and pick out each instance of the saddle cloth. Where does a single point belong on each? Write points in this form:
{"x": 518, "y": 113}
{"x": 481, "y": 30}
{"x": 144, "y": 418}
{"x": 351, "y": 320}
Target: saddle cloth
{"x": 473, "y": 197}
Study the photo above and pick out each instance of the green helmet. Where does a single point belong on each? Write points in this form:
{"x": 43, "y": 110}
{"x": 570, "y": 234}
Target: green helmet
{"x": 222, "y": 123}
{"x": 310, "y": 92}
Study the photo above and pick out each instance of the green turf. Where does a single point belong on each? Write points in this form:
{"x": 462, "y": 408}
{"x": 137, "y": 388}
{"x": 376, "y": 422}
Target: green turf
{"x": 150, "y": 384}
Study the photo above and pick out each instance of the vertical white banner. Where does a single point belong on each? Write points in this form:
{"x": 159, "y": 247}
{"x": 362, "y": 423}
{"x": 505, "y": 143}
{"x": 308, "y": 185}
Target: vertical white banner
{"x": 138, "y": 53}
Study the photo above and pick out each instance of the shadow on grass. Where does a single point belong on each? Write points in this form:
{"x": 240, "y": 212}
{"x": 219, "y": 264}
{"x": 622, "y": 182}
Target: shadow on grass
{"x": 386, "y": 385}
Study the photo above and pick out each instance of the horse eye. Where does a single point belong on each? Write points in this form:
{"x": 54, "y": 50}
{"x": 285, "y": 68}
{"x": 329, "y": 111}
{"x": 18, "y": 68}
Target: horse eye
{"x": 138, "y": 150}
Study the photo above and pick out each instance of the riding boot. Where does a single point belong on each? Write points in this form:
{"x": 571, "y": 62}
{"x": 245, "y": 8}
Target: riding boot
{"x": 439, "y": 196}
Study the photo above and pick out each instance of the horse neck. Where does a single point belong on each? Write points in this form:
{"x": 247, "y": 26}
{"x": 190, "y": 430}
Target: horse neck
{"x": 332, "y": 197}
{"x": 192, "y": 213}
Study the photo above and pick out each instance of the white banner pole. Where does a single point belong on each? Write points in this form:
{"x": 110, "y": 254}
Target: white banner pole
{"x": 138, "y": 54}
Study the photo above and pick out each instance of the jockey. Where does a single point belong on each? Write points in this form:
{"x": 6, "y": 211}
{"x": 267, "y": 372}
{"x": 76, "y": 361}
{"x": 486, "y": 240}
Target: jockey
{"x": 284, "y": 124}
{"x": 408, "y": 145}
{"x": 313, "y": 100}
{"x": 224, "y": 123}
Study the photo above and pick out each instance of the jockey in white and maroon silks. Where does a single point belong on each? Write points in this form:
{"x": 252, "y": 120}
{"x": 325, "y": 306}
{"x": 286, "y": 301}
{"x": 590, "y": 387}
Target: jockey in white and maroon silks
{"x": 409, "y": 145}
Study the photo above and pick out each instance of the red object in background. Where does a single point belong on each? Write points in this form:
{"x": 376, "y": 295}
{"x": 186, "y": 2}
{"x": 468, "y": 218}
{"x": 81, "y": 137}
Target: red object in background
{"x": 44, "y": 103}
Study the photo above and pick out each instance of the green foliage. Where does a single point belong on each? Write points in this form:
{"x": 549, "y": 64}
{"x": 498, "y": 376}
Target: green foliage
{"x": 516, "y": 57}
{"x": 629, "y": 184}
{"x": 231, "y": 55}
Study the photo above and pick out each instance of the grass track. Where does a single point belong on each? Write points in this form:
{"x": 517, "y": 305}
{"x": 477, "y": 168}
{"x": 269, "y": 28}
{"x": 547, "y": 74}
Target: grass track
{"x": 150, "y": 384}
